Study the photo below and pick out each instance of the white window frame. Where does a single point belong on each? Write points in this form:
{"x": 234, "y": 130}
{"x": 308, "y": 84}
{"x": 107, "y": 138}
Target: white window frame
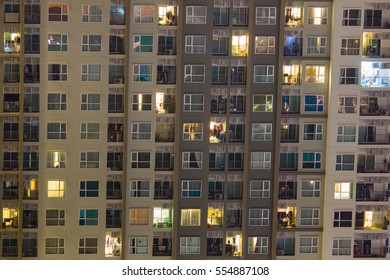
{"x": 58, "y": 220}
{"x": 186, "y": 160}
{"x": 138, "y": 245}
{"x": 308, "y": 244}
{"x": 90, "y": 74}
{"x": 314, "y": 162}
{"x": 56, "y": 159}
{"x": 142, "y": 18}
{"x": 137, "y": 74}
{"x": 88, "y": 43}
{"x": 59, "y": 249}
{"x": 196, "y": 14}
{"x": 263, "y": 106}
{"x": 319, "y": 48}
{"x": 188, "y": 186}
{"x": 136, "y": 220}
{"x": 89, "y": 15}
{"x": 138, "y": 47}
{"x": 318, "y": 132}
{"x": 268, "y": 77}
{"x": 191, "y": 74}
{"x": 258, "y": 245}
{"x": 346, "y": 20}
{"x": 86, "y": 162}
{"x": 60, "y": 105}
{"x": 343, "y": 137}
{"x": 90, "y": 102}
{"x": 187, "y": 219}
{"x": 190, "y": 105}
{"x": 264, "y": 161}
{"x": 59, "y": 133}
{"x": 310, "y": 188}
{"x": 259, "y": 188}
{"x": 343, "y": 190}
{"x": 339, "y": 249}
{"x": 141, "y": 131}
{"x": 265, "y": 44}
{"x": 189, "y": 245}
{"x": 139, "y": 188}
{"x": 265, "y": 15}
{"x": 56, "y": 188}
{"x": 261, "y": 131}
{"x": 62, "y": 74}
{"x": 88, "y": 246}
{"x": 343, "y": 162}
{"x": 192, "y": 46}
{"x": 338, "y": 221}
{"x": 347, "y": 49}
{"x": 320, "y": 18}
{"x": 313, "y": 218}
{"x": 89, "y": 130}
{"x": 258, "y": 217}
{"x": 192, "y": 131}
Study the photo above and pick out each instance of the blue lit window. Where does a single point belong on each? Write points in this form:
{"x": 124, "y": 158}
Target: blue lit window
{"x": 314, "y": 103}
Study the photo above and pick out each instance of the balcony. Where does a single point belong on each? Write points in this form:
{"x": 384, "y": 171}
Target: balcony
{"x": 293, "y": 17}
{"x": 289, "y": 133}
{"x": 288, "y": 162}
{"x": 115, "y": 132}
{"x": 376, "y": 19}
{"x": 372, "y": 163}
{"x": 287, "y": 190}
{"x": 293, "y": 46}
{"x": 166, "y": 75}
{"x": 375, "y": 74}
{"x": 371, "y": 220}
{"x": 285, "y": 246}
{"x": 368, "y": 250}
{"x": 286, "y": 217}
{"x": 374, "y": 138}
{"x": 167, "y": 16}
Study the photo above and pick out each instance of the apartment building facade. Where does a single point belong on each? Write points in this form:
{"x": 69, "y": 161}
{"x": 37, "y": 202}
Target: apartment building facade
{"x": 193, "y": 129}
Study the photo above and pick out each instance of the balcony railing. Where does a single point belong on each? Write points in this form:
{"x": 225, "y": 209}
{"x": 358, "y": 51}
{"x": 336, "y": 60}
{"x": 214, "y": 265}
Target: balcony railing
{"x": 294, "y": 80}
{"x": 369, "y": 195}
{"x": 373, "y": 110}
{"x": 369, "y": 252}
{"x": 374, "y": 138}
{"x": 162, "y": 250}
{"x": 374, "y": 224}
{"x": 375, "y": 81}
{"x": 372, "y": 52}
{"x": 376, "y": 23}
{"x": 287, "y": 194}
{"x": 376, "y": 168}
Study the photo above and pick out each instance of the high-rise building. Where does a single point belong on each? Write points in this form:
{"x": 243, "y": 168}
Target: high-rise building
{"x": 194, "y": 129}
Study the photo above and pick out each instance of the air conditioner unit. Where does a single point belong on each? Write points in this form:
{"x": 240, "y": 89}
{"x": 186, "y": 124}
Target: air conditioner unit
{"x": 168, "y": 51}
{"x": 11, "y": 17}
{"x": 118, "y": 80}
{"x": 218, "y": 196}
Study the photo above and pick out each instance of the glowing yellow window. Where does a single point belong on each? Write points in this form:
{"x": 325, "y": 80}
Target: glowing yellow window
{"x": 56, "y": 188}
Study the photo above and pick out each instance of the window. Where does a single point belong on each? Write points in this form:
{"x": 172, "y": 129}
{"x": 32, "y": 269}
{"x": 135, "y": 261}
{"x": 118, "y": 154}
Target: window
{"x": 341, "y": 247}
{"x": 345, "y": 162}
{"x": 142, "y": 73}
{"x": 235, "y": 161}
{"x": 220, "y": 42}
{"x": 348, "y": 76}
{"x": 141, "y": 131}
{"x": 138, "y": 245}
{"x": 311, "y": 160}
{"x": 240, "y": 13}
{"x": 346, "y": 133}
{"x": 91, "y": 72}
{"x": 88, "y": 217}
{"x": 194, "y": 73}
{"x": 316, "y": 45}
{"x": 56, "y": 160}
{"x": 57, "y": 72}
{"x": 143, "y": 13}
{"x": 315, "y": 74}
{"x": 219, "y": 72}
{"x": 167, "y": 43}
{"x": 56, "y": 101}
{"x": 236, "y": 132}
{"x": 190, "y": 217}
{"x": 90, "y": 101}
{"x": 114, "y": 187}
{"x": 193, "y": 102}
{"x": 240, "y": 43}
{"x": 189, "y": 245}
{"x": 116, "y": 41}
{"x": 308, "y": 245}
{"x": 91, "y": 43}
{"x": 56, "y": 131}
{"x": 142, "y": 102}
{"x": 89, "y": 188}
{"x": 262, "y": 103}
{"x": 117, "y": 12}
{"x": 258, "y": 217}
{"x": 196, "y": 14}
{"x": 310, "y": 217}
{"x": 347, "y": 105}
{"x": 55, "y": 217}
{"x": 263, "y": 74}
{"x": 217, "y": 130}
{"x": 57, "y": 42}
{"x": 259, "y": 189}
{"x": 88, "y": 246}
{"x": 260, "y": 160}
{"x": 115, "y": 100}
{"x": 258, "y": 245}
{"x": 265, "y": 15}
{"x": 312, "y": 131}
{"x": 139, "y": 217}
{"x": 139, "y": 188}
{"x": 343, "y": 190}
{"x": 89, "y": 131}
{"x": 164, "y": 160}
{"x": 350, "y": 46}
{"x": 218, "y": 102}
{"x": 162, "y": 217}
{"x": 191, "y": 189}
{"x": 92, "y": 13}
{"x": 54, "y": 246}
{"x": 32, "y": 12}
{"x": 58, "y": 12}
{"x": 311, "y": 188}
{"x": 261, "y": 131}
{"x": 221, "y": 13}
{"x": 342, "y": 219}
{"x": 31, "y": 99}
{"x": 143, "y": 43}
{"x": 195, "y": 44}
{"x": 192, "y": 160}
{"x": 193, "y": 131}
{"x": 238, "y": 75}
{"x": 314, "y": 103}
{"x": 32, "y": 40}
{"x": 89, "y": 160}
{"x": 56, "y": 188}
{"x": 318, "y": 16}
{"x": 352, "y": 17}
{"x": 140, "y": 159}
{"x": 265, "y": 44}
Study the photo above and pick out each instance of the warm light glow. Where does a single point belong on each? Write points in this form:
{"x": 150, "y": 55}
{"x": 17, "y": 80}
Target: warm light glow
{"x": 33, "y": 185}
{"x": 160, "y": 103}
{"x": 56, "y": 188}
{"x": 56, "y": 161}
{"x": 368, "y": 218}
{"x": 317, "y": 16}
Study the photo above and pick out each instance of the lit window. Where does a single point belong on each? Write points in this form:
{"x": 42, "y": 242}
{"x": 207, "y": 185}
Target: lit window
{"x": 162, "y": 217}
{"x": 217, "y": 130}
{"x": 193, "y": 131}
{"x": 318, "y": 16}
{"x": 240, "y": 43}
{"x": 56, "y": 188}
{"x": 264, "y": 44}
{"x": 316, "y": 45}
{"x": 311, "y": 160}
{"x": 58, "y": 12}
{"x": 314, "y": 103}
{"x": 350, "y": 46}
{"x": 139, "y": 217}
{"x": 343, "y": 190}
{"x": 57, "y": 42}
{"x": 315, "y": 74}
{"x": 262, "y": 103}
{"x": 142, "y": 102}
{"x": 190, "y": 217}
{"x": 56, "y": 160}
{"x": 258, "y": 245}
